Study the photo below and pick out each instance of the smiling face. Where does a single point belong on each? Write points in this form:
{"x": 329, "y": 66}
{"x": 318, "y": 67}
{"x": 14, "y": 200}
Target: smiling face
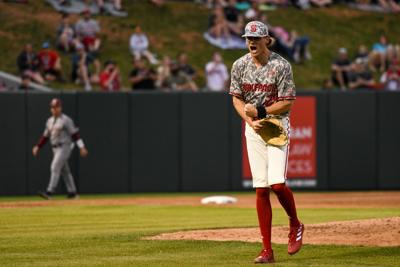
{"x": 257, "y": 45}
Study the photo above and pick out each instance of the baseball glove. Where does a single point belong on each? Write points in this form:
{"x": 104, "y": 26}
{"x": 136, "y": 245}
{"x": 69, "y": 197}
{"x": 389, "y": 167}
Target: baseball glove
{"x": 273, "y": 132}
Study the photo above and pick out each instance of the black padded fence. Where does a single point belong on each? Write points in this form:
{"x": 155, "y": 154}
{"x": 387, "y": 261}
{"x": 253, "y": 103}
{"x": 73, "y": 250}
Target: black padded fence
{"x": 180, "y": 142}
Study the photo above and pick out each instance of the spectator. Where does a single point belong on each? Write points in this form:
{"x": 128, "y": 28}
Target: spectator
{"x": 234, "y": 18}
{"x": 100, "y": 3}
{"x": 139, "y": 45}
{"x": 28, "y": 64}
{"x": 87, "y": 30}
{"x": 25, "y": 83}
{"x": 81, "y": 62}
{"x": 217, "y": 74}
{"x": 185, "y": 67}
{"x": 390, "y": 5}
{"x": 142, "y": 77}
{"x": 50, "y": 63}
{"x": 158, "y": 3}
{"x": 213, "y": 3}
{"x": 360, "y": 77}
{"x": 391, "y": 78}
{"x": 218, "y": 26}
{"x": 378, "y": 54}
{"x": 341, "y": 67}
{"x": 180, "y": 81}
{"x": 65, "y": 34}
{"x": 163, "y": 73}
{"x": 110, "y": 79}
{"x": 295, "y": 47}
{"x": 362, "y": 54}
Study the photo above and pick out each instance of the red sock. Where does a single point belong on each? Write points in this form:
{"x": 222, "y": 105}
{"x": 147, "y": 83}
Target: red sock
{"x": 264, "y": 213}
{"x": 285, "y": 197}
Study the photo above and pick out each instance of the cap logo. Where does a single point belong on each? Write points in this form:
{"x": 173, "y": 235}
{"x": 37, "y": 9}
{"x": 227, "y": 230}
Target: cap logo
{"x": 253, "y": 28}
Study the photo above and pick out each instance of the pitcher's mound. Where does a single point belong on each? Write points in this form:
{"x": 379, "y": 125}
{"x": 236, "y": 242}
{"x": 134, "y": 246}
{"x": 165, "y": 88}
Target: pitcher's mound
{"x": 383, "y": 232}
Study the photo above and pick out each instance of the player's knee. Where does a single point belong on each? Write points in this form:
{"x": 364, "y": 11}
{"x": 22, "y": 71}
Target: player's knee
{"x": 262, "y": 192}
{"x": 278, "y": 188}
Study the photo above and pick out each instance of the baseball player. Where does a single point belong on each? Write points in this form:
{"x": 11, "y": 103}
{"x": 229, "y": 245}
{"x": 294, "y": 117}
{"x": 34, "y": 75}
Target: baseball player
{"x": 61, "y": 131}
{"x": 262, "y": 86}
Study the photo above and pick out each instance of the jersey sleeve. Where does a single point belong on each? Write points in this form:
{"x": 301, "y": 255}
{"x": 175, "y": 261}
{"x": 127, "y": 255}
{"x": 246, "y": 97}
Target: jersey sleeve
{"x": 285, "y": 84}
{"x": 70, "y": 126}
{"x": 46, "y": 132}
{"x": 235, "y": 88}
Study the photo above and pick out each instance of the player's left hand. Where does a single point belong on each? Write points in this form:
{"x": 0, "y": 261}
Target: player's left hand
{"x": 256, "y": 125}
{"x": 250, "y": 111}
{"x": 83, "y": 151}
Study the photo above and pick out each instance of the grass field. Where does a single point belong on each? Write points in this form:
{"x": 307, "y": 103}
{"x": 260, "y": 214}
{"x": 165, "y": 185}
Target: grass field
{"x": 179, "y": 27}
{"x": 111, "y": 235}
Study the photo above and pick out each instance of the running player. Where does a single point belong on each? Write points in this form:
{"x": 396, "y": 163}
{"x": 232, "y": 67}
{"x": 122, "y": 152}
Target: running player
{"x": 262, "y": 85}
{"x": 61, "y": 130}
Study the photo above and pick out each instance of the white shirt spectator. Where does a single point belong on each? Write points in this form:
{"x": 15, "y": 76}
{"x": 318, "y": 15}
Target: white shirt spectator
{"x": 217, "y": 74}
{"x": 139, "y": 44}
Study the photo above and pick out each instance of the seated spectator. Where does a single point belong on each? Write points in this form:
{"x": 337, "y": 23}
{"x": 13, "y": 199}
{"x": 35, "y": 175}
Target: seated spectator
{"x": 341, "y": 67}
{"x": 163, "y": 73}
{"x": 139, "y": 45}
{"x": 185, "y": 67}
{"x": 378, "y": 54}
{"x": 110, "y": 79}
{"x": 218, "y": 25}
{"x": 217, "y": 74}
{"x": 234, "y": 18}
{"x": 28, "y": 64}
{"x": 65, "y": 34}
{"x": 362, "y": 54}
{"x": 292, "y": 45}
{"x": 360, "y": 77}
{"x": 25, "y": 83}
{"x": 100, "y": 3}
{"x": 390, "y": 5}
{"x": 50, "y": 63}
{"x": 179, "y": 81}
{"x": 142, "y": 77}
{"x": 391, "y": 78}
{"x": 87, "y": 29}
{"x": 81, "y": 62}
{"x": 213, "y": 3}
{"x": 158, "y": 3}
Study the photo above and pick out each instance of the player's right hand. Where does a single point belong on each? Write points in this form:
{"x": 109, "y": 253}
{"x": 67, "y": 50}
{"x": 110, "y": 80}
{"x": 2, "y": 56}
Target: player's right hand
{"x": 83, "y": 151}
{"x": 256, "y": 125}
{"x": 35, "y": 150}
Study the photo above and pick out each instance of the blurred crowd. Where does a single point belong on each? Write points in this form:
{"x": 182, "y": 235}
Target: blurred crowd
{"x": 80, "y": 39}
{"x": 382, "y": 60}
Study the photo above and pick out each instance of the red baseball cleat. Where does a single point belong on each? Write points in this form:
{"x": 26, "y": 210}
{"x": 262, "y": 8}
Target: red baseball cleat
{"x": 265, "y": 256}
{"x": 295, "y": 239}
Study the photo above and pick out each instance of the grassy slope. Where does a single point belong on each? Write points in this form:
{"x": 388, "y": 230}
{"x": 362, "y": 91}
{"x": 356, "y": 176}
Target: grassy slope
{"x": 110, "y": 236}
{"x": 179, "y": 26}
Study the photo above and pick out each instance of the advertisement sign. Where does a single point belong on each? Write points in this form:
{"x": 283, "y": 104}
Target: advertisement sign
{"x": 302, "y": 166}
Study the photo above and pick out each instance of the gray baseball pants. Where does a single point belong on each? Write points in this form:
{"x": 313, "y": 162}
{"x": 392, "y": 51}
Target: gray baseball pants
{"x": 59, "y": 167}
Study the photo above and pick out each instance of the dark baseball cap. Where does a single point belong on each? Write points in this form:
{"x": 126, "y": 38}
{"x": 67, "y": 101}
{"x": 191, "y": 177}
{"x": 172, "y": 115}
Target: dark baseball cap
{"x": 55, "y": 102}
{"x": 255, "y": 29}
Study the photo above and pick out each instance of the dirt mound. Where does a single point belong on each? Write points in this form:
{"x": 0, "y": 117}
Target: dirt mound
{"x": 373, "y": 232}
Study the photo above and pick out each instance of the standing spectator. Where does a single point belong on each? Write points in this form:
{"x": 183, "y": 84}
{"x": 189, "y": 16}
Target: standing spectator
{"x": 341, "y": 67}
{"x": 87, "y": 30}
{"x": 360, "y": 77}
{"x": 142, "y": 77}
{"x": 139, "y": 45}
{"x": 110, "y": 79}
{"x": 65, "y": 34}
{"x": 81, "y": 61}
{"x": 50, "y": 63}
{"x": 217, "y": 74}
{"x": 163, "y": 73}
{"x": 180, "y": 81}
{"x": 28, "y": 64}
{"x": 185, "y": 67}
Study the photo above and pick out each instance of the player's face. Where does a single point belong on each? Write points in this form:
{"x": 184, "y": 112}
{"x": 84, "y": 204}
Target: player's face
{"x": 256, "y": 45}
{"x": 55, "y": 110}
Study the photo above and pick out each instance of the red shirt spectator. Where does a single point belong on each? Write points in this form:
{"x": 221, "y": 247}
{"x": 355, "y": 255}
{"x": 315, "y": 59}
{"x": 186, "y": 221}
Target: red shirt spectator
{"x": 110, "y": 78}
{"x": 47, "y": 57}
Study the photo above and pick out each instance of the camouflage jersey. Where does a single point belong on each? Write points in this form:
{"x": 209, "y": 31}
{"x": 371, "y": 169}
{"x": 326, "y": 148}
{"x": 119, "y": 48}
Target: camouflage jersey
{"x": 267, "y": 85}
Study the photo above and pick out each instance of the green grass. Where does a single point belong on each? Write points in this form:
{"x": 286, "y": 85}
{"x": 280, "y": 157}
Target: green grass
{"x": 178, "y": 27}
{"x": 112, "y": 236}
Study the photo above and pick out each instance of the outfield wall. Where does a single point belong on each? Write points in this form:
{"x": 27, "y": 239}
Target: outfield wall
{"x": 181, "y": 142}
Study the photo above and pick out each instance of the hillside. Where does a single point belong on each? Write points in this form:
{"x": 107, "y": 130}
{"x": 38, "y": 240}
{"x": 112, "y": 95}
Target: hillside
{"x": 179, "y": 27}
